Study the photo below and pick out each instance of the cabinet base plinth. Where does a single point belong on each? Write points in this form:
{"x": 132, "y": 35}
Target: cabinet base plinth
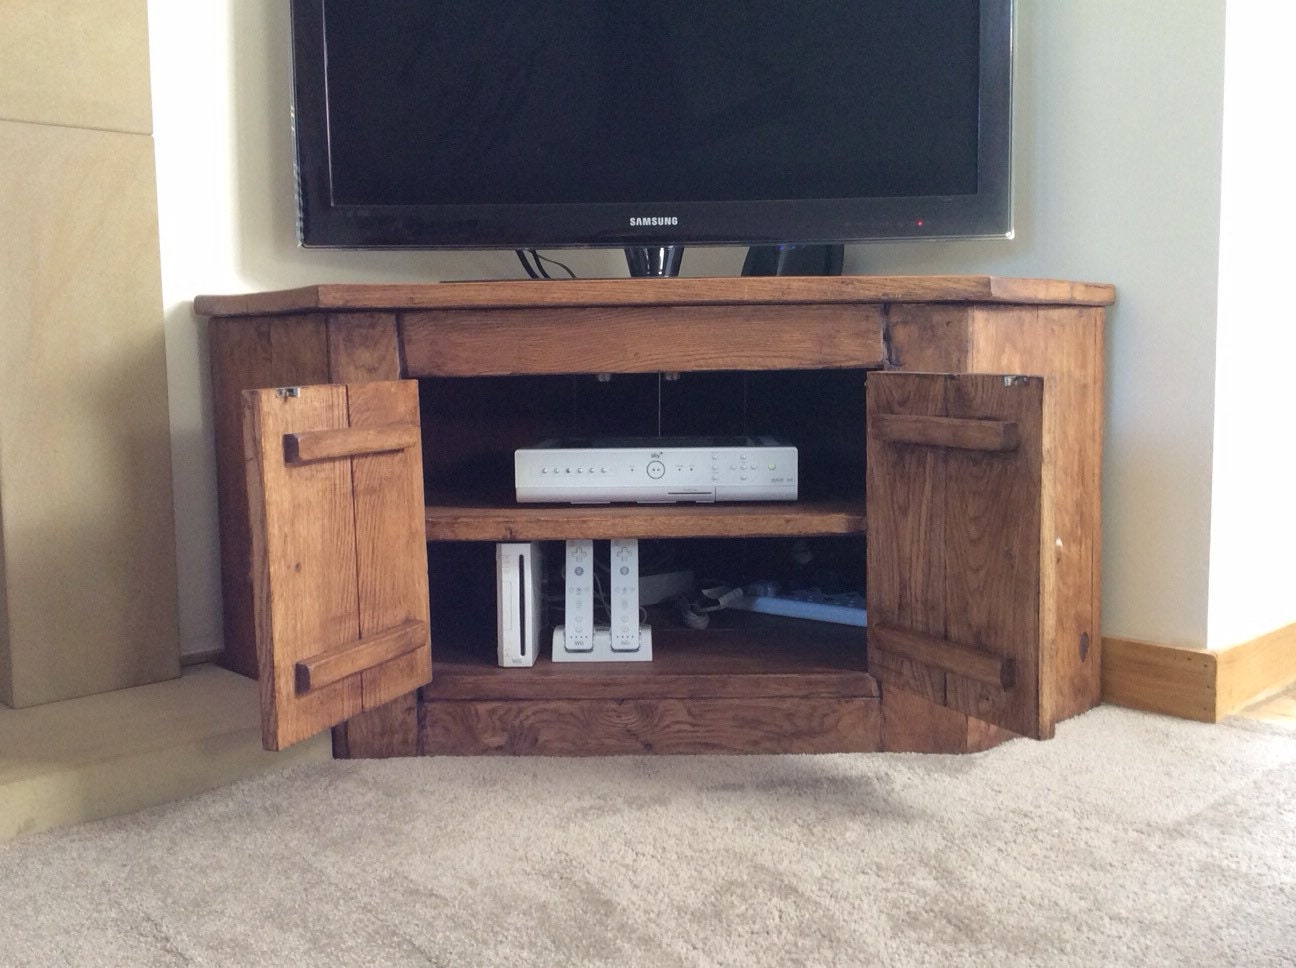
{"x": 899, "y": 721}
{"x": 639, "y": 726}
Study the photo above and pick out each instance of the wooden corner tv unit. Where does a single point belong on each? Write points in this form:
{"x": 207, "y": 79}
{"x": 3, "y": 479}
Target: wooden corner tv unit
{"x": 950, "y": 438}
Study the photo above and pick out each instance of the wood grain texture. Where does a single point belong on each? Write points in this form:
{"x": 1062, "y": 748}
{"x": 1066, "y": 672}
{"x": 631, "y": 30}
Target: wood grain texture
{"x": 962, "y": 660}
{"x": 989, "y": 435}
{"x": 1250, "y": 670}
{"x": 927, "y": 338}
{"x": 905, "y": 495}
{"x": 350, "y": 442}
{"x": 326, "y": 668}
{"x": 304, "y": 578}
{"x": 390, "y": 730}
{"x": 786, "y": 662}
{"x": 391, "y": 550}
{"x": 982, "y": 736}
{"x": 901, "y": 674}
{"x": 371, "y": 333}
{"x": 680, "y": 292}
{"x": 1277, "y": 708}
{"x": 458, "y": 520}
{"x": 273, "y": 351}
{"x": 1065, "y": 346}
{"x": 248, "y": 354}
{"x": 913, "y": 723}
{"x": 1159, "y": 678}
{"x": 338, "y": 560}
{"x": 994, "y": 569}
{"x": 1199, "y": 684}
{"x": 363, "y": 347}
{"x": 640, "y": 339}
{"x": 631, "y": 727}
{"x": 954, "y": 550}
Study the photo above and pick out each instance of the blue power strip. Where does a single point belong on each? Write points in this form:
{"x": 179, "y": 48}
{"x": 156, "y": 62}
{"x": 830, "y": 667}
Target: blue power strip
{"x": 844, "y": 609}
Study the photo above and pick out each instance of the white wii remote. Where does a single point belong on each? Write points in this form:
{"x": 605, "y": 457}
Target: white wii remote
{"x": 624, "y": 607}
{"x": 578, "y": 580}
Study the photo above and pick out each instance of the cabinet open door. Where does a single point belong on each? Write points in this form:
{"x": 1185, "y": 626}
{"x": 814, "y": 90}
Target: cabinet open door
{"x": 339, "y": 552}
{"x": 958, "y": 544}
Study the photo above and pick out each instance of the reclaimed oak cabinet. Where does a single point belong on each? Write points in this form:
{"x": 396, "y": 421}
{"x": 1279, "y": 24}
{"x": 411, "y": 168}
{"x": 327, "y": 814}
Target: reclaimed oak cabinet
{"x": 950, "y": 439}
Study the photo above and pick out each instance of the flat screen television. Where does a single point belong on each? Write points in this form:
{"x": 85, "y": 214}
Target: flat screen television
{"x": 525, "y": 124}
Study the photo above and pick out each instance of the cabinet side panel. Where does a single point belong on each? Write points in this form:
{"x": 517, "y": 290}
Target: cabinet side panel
{"x": 250, "y": 353}
{"x": 1064, "y": 345}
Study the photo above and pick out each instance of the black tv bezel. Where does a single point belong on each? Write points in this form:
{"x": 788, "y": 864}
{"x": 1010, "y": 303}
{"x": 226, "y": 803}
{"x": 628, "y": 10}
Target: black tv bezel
{"x": 321, "y": 223}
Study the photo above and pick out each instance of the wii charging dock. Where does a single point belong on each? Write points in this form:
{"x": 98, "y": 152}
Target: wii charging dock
{"x": 602, "y": 650}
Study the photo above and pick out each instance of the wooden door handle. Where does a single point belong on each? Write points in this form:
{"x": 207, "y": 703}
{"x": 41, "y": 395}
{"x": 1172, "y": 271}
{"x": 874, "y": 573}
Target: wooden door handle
{"x": 962, "y": 660}
{"x": 345, "y": 660}
{"x": 313, "y": 445}
{"x": 961, "y": 433}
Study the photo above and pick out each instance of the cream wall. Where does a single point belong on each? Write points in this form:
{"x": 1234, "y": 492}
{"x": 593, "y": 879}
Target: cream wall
{"x": 1253, "y": 521}
{"x": 1118, "y": 151}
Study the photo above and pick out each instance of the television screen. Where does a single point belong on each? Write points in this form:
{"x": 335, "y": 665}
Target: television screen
{"x": 538, "y": 123}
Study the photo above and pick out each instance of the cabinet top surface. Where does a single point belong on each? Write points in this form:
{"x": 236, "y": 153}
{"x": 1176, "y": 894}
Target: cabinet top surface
{"x": 735, "y": 290}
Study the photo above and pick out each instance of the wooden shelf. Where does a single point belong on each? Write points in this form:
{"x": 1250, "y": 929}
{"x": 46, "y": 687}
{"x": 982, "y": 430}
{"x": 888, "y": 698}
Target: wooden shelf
{"x": 467, "y": 521}
{"x": 779, "y": 290}
{"x": 788, "y": 659}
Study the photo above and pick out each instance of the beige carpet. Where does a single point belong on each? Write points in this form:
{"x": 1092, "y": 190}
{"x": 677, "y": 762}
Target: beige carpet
{"x": 1129, "y": 840}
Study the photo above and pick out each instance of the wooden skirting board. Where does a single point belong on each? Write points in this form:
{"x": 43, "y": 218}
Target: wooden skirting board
{"x": 1196, "y": 683}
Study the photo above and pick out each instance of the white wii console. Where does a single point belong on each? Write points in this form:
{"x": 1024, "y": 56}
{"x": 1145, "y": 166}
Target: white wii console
{"x": 519, "y": 584}
{"x": 663, "y": 470}
{"x": 579, "y": 639}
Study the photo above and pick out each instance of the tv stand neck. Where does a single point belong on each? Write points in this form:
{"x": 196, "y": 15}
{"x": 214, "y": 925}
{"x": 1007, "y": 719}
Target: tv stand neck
{"x": 654, "y": 260}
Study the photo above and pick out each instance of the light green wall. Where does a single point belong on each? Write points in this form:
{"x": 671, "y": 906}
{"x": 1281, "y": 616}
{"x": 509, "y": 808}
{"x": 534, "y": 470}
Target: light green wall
{"x": 1118, "y": 180}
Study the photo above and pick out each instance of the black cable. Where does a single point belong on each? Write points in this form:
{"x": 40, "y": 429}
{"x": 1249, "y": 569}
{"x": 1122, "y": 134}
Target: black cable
{"x": 544, "y": 258}
{"x": 530, "y": 271}
{"x": 536, "y": 269}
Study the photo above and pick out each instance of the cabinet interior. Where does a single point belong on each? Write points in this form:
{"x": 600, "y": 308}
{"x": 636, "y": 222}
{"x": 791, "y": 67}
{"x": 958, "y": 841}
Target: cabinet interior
{"x": 472, "y": 425}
